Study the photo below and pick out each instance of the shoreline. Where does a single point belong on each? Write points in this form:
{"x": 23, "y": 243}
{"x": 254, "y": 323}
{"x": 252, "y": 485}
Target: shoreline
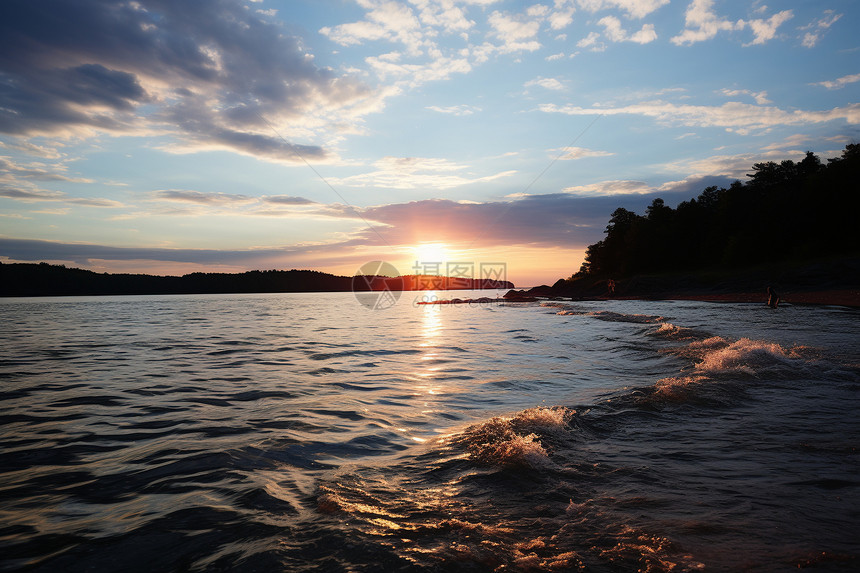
{"x": 831, "y": 281}
{"x": 845, "y": 297}
{"x": 839, "y": 297}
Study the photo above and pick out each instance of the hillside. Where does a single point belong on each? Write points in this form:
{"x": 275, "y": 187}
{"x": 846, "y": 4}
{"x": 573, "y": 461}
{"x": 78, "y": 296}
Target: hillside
{"x": 24, "y": 279}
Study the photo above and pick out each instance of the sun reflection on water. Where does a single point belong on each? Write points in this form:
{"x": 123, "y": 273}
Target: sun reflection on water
{"x": 431, "y": 322}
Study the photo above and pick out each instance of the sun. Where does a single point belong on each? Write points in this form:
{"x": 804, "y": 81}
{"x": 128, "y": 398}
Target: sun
{"x": 429, "y": 253}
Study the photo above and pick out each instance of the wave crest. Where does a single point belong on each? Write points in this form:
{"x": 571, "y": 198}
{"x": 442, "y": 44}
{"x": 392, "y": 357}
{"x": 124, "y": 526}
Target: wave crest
{"x": 744, "y": 355}
{"x": 517, "y": 440}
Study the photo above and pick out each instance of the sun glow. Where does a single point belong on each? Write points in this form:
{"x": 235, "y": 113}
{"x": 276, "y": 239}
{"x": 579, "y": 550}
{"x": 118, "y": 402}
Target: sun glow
{"x": 428, "y": 253}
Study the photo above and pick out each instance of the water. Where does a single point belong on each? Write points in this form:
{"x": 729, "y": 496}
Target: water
{"x": 305, "y": 432}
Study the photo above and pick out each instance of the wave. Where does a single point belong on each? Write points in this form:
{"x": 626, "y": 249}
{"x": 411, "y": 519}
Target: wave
{"x": 607, "y": 486}
{"x": 604, "y": 315}
{"x": 515, "y": 441}
{"x": 516, "y": 493}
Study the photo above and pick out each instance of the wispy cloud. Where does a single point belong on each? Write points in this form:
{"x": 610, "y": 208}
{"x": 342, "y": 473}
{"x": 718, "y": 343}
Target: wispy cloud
{"x": 734, "y": 166}
{"x": 609, "y": 188}
{"x": 840, "y": 83}
{"x": 37, "y": 171}
{"x": 391, "y": 21}
{"x": 734, "y": 116}
{"x": 201, "y": 198}
{"x": 633, "y": 8}
{"x": 569, "y": 153}
{"x": 416, "y": 173}
{"x": 33, "y": 149}
{"x": 817, "y": 28}
{"x": 287, "y": 200}
{"x": 759, "y": 97}
{"x": 459, "y": 110}
{"x": 546, "y": 83}
{"x": 591, "y": 42}
{"x": 32, "y": 194}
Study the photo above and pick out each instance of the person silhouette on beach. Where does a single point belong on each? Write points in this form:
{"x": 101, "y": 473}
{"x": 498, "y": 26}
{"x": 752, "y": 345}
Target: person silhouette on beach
{"x": 610, "y": 285}
{"x": 772, "y": 298}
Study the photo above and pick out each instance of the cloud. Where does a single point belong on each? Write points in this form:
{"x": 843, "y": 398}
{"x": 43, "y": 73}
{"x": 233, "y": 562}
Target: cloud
{"x": 818, "y": 28}
{"x": 634, "y": 8}
{"x": 443, "y": 14}
{"x": 765, "y": 30}
{"x": 459, "y": 110}
{"x": 759, "y": 97}
{"x": 30, "y": 195}
{"x": 418, "y": 25}
{"x": 517, "y": 32}
{"x": 581, "y": 153}
{"x": 609, "y": 188}
{"x": 839, "y": 83}
{"x": 94, "y": 202}
{"x": 200, "y": 198}
{"x": 695, "y": 184}
{"x": 387, "y": 20}
{"x": 203, "y": 73}
{"x": 562, "y": 17}
{"x": 34, "y": 194}
{"x": 413, "y": 75}
{"x": 732, "y": 166}
{"x": 287, "y": 200}
{"x": 35, "y": 250}
{"x": 37, "y": 172}
{"x": 513, "y": 29}
{"x": 415, "y": 173}
{"x": 733, "y": 116}
{"x": 546, "y": 83}
{"x": 615, "y": 33}
{"x": 702, "y": 24}
{"x": 590, "y": 42}
{"x": 33, "y": 149}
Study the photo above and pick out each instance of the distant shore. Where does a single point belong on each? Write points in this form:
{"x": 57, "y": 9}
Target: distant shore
{"x": 43, "y": 279}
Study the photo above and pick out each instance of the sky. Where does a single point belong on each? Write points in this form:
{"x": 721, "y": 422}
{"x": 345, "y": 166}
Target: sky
{"x": 169, "y": 137}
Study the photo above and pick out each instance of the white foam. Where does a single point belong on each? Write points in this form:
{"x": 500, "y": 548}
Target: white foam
{"x": 743, "y": 355}
{"x": 517, "y": 440}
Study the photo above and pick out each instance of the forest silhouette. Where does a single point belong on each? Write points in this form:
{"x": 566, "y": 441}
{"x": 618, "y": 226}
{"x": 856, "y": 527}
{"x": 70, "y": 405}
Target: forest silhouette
{"x": 43, "y": 279}
{"x": 786, "y": 212}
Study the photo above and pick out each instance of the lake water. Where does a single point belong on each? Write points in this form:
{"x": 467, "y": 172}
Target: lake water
{"x": 307, "y": 432}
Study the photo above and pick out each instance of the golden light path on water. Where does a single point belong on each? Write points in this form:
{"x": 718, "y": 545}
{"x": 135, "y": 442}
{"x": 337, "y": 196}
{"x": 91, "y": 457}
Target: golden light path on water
{"x": 432, "y": 328}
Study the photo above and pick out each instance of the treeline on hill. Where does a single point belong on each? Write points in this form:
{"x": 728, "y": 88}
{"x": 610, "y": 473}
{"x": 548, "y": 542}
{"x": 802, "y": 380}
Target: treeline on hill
{"x": 786, "y": 211}
{"x": 22, "y": 279}
{"x": 43, "y": 279}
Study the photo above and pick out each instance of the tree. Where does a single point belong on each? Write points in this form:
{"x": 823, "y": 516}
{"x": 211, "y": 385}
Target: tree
{"x": 786, "y": 210}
